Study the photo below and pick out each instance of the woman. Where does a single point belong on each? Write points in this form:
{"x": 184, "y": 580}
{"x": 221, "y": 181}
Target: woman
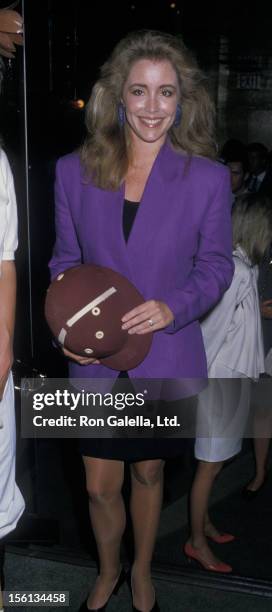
{"x": 150, "y": 128}
{"x": 234, "y": 347}
{"x": 261, "y": 398}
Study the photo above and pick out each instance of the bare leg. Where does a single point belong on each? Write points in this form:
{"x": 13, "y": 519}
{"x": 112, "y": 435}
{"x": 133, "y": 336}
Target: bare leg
{"x": 104, "y": 479}
{"x": 200, "y": 523}
{"x": 262, "y": 427}
{"x": 261, "y": 449}
{"x": 146, "y": 500}
{"x": 209, "y": 528}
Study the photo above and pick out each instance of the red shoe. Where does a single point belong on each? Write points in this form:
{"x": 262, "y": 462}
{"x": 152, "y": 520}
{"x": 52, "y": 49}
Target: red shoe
{"x": 192, "y": 553}
{"x": 222, "y": 538}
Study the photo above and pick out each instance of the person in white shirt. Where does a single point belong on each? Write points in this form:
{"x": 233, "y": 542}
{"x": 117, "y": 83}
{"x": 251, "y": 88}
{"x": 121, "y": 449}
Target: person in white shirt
{"x": 11, "y": 500}
{"x": 233, "y": 342}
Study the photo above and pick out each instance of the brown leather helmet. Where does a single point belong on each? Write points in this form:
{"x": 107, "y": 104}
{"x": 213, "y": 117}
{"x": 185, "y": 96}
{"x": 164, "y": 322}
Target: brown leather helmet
{"x": 84, "y": 307}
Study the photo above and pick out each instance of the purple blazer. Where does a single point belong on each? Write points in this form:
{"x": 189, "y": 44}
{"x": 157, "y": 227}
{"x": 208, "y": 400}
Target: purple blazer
{"x": 179, "y": 250}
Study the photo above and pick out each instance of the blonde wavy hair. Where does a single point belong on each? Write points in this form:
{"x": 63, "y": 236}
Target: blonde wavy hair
{"x": 252, "y": 225}
{"x": 105, "y": 152}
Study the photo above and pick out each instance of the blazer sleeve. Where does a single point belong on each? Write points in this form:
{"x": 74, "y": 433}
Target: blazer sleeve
{"x": 67, "y": 252}
{"x": 213, "y": 265}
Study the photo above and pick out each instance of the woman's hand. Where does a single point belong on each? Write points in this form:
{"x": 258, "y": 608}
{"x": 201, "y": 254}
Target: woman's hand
{"x": 11, "y": 28}
{"x": 6, "y": 359}
{"x": 148, "y": 317}
{"x": 79, "y": 359}
{"x": 266, "y": 309}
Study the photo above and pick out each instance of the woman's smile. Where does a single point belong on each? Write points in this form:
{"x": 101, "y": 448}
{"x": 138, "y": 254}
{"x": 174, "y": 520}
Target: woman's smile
{"x": 151, "y": 122}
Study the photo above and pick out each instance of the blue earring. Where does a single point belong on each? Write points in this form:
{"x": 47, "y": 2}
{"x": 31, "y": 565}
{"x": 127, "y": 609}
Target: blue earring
{"x": 121, "y": 115}
{"x": 178, "y": 116}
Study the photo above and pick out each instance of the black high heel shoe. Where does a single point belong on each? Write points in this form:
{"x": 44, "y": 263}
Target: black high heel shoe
{"x": 155, "y": 607}
{"x": 122, "y": 578}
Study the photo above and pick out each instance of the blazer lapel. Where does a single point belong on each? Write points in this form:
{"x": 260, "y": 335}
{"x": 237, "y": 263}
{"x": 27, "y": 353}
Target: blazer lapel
{"x": 155, "y": 204}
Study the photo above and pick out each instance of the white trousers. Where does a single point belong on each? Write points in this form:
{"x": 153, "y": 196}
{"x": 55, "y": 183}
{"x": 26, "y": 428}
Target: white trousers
{"x": 11, "y": 501}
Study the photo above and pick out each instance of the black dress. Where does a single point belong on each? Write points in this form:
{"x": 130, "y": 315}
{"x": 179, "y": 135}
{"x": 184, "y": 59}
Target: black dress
{"x": 132, "y": 449}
